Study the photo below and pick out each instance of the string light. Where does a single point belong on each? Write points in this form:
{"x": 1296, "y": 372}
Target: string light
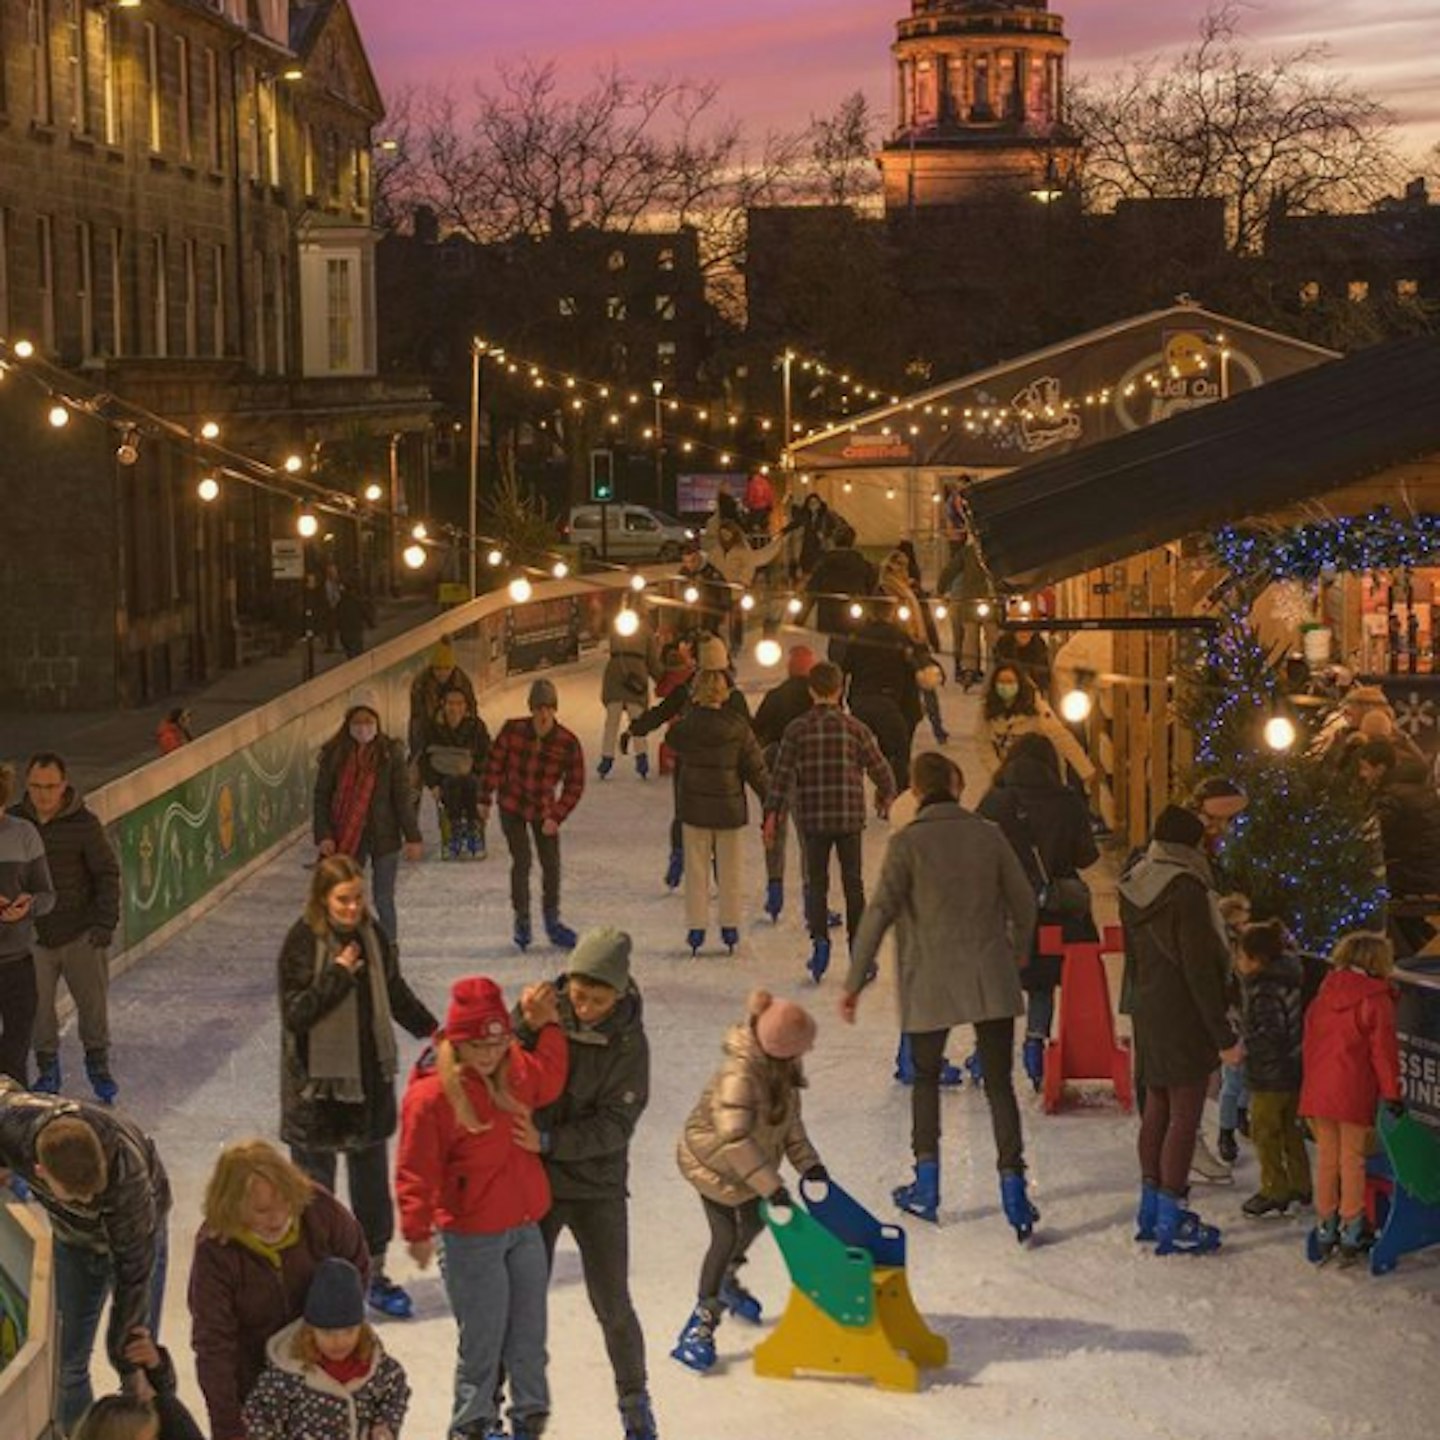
{"x": 690, "y": 595}
{"x": 857, "y": 611}
{"x": 1280, "y": 733}
{"x": 637, "y": 583}
{"x": 794, "y": 605}
{"x": 59, "y": 416}
{"x": 1075, "y": 706}
{"x": 747, "y": 603}
{"x": 559, "y": 569}
{"x": 768, "y": 653}
{"x": 374, "y": 493}
{"x": 494, "y": 559}
{"x": 419, "y": 531}
{"x": 208, "y": 489}
{"x": 210, "y": 431}
{"x": 307, "y": 526}
{"x": 627, "y": 622}
{"x": 521, "y": 589}
{"x": 414, "y": 556}
{"x": 24, "y": 349}
{"x": 293, "y": 464}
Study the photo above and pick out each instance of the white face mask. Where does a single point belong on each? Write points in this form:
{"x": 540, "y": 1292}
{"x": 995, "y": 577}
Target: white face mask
{"x": 362, "y": 732}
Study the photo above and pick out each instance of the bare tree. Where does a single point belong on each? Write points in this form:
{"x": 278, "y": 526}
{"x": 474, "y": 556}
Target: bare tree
{"x": 842, "y": 148}
{"x": 1271, "y": 135}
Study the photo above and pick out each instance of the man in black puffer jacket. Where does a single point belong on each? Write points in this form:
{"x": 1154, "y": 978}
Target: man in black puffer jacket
{"x": 74, "y": 938}
{"x": 100, "y": 1180}
{"x": 584, "y": 1138}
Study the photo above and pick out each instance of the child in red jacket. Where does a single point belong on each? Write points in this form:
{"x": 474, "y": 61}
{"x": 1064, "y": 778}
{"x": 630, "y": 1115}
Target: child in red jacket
{"x": 469, "y": 1174}
{"x": 1352, "y": 1062}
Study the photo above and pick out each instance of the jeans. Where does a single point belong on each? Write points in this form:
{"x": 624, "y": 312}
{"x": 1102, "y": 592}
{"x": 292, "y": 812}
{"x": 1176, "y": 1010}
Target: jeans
{"x": 816, "y": 850}
{"x": 17, "y": 1017}
{"x": 384, "y": 870}
{"x": 733, "y": 1229}
{"x": 602, "y": 1233}
{"x": 1039, "y": 1012}
{"x": 369, "y": 1173}
{"x": 1234, "y": 1096}
{"x": 83, "y": 1280}
{"x": 496, "y": 1285}
{"x": 1167, "y": 1134}
{"x": 1275, "y": 1133}
{"x": 518, "y": 834}
{"x": 995, "y": 1040}
{"x": 85, "y": 968}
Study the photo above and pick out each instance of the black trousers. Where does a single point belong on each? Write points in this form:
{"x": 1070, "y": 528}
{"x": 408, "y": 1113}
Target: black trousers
{"x": 995, "y": 1040}
{"x": 369, "y": 1172}
{"x": 602, "y": 1234}
{"x": 460, "y": 797}
{"x": 816, "y": 849}
{"x": 733, "y": 1229}
{"x": 18, "y": 1003}
{"x": 518, "y": 835}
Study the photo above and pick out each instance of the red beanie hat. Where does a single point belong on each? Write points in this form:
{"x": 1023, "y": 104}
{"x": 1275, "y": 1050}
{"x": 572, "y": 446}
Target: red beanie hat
{"x": 802, "y": 661}
{"x": 785, "y": 1030}
{"x": 477, "y": 1010}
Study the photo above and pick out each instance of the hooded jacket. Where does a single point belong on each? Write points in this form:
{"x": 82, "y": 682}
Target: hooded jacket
{"x": 124, "y": 1223}
{"x": 719, "y": 756}
{"x": 589, "y": 1128}
{"x": 447, "y": 1178}
{"x": 1352, "y": 1058}
{"x": 1272, "y": 1024}
{"x": 83, "y": 870}
{"x": 239, "y": 1298}
{"x": 293, "y": 1399}
{"x": 736, "y": 559}
{"x": 391, "y": 822}
{"x": 741, "y": 1128}
{"x": 1177, "y": 964}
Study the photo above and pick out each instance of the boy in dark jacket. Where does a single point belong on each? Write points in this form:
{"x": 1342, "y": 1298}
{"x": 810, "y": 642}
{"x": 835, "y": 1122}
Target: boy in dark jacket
{"x": 455, "y": 747}
{"x": 1272, "y": 1026}
{"x": 584, "y": 1139}
{"x": 100, "y": 1180}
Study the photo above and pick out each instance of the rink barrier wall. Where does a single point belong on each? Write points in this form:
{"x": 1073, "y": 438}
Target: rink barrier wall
{"x": 191, "y": 826}
{"x": 27, "y": 1324}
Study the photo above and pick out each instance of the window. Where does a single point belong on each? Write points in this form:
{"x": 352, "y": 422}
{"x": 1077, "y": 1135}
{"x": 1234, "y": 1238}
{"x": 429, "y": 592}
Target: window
{"x": 664, "y": 307}
{"x": 615, "y": 260}
{"x": 634, "y": 520}
{"x": 252, "y": 123}
{"x": 268, "y": 140}
{"x": 210, "y": 99}
{"x": 332, "y": 167}
{"x": 1358, "y": 291}
{"x": 666, "y": 259}
{"x": 192, "y": 302}
{"x": 109, "y": 94}
{"x": 37, "y": 35}
{"x": 257, "y": 277}
{"x": 1310, "y": 292}
{"x": 615, "y": 307}
{"x": 85, "y": 282}
{"x": 569, "y": 306}
{"x": 665, "y": 355}
{"x": 184, "y": 100}
{"x": 360, "y": 177}
{"x": 4, "y": 271}
{"x": 308, "y": 160}
{"x": 76, "y": 58}
{"x": 159, "y": 297}
{"x": 45, "y": 278}
{"x": 152, "y": 85}
{"x": 339, "y": 315}
{"x": 282, "y": 312}
{"x": 117, "y": 293}
{"x": 217, "y": 301}
{"x": 1407, "y": 289}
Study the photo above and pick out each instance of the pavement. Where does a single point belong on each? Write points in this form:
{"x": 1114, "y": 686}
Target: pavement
{"x": 101, "y": 745}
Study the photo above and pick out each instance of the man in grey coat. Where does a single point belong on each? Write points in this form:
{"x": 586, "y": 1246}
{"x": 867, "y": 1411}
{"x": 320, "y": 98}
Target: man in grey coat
{"x": 963, "y": 913}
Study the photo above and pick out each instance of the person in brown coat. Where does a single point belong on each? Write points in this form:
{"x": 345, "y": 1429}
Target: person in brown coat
{"x": 266, "y": 1229}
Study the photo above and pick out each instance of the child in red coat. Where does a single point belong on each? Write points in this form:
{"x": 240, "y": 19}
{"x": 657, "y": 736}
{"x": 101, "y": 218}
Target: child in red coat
{"x": 1352, "y": 1062}
{"x": 469, "y": 1176}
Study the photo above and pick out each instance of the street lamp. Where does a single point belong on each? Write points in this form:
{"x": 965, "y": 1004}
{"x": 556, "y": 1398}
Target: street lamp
{"x": 479, "y": 350}
{"x": 658, "y": 387}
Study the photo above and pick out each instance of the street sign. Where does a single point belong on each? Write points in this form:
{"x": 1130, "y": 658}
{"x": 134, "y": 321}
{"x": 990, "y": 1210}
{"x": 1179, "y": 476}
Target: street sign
{"x": 287, "y": 559}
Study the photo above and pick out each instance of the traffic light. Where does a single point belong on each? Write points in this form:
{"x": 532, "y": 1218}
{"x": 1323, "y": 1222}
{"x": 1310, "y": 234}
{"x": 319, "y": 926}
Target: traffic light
{"x": 602, "y": 476}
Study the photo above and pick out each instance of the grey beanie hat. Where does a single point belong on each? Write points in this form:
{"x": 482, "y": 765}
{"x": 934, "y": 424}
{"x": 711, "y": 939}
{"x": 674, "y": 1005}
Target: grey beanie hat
{"x": 542, "y": 692}
{"x": 603, "y": 955}
{"x": 336, "y": 1298}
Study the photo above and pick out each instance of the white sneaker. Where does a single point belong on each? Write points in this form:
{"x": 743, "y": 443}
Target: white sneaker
{"x": 1207, "y": 1167}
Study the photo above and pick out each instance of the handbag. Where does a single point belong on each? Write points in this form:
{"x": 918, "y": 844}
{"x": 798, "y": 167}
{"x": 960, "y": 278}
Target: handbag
{"x": 1067, "y": 896}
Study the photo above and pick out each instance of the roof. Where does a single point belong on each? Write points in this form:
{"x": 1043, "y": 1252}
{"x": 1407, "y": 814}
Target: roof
{"x": 1083, "y": 366}
{"x": 1284, "y": 442}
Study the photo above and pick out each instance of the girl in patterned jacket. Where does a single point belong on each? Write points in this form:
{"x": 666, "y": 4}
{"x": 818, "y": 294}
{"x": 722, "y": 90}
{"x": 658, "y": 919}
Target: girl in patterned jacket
{"x": 329, "y": 1377}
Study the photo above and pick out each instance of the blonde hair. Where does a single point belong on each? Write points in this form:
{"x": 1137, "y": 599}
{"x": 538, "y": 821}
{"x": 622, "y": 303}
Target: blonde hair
{"x": 1364, "y": 950}
{"x": 451, "y": 1069}
{"x": 711, "y": 688}
{"x": 239, "y": 1164}
{"x": 304, "y": 1349}
{"x": 116, "y": 1417}
{"x": 332, "y": 871}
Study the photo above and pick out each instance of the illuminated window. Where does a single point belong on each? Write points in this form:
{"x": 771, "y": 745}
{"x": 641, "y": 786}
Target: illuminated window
{"x": 664, "y": 307}
{"x": 1358, "y": 290}
{"x": 1407, "y": 289}
{"x": 616, "y": 308}
{"x": 1310, "y": 292}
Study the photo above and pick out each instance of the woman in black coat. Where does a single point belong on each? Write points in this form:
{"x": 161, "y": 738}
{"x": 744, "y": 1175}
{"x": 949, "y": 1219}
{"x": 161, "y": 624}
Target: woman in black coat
{"x": 341, "y": 995}
{"x": 1048, "y": 827}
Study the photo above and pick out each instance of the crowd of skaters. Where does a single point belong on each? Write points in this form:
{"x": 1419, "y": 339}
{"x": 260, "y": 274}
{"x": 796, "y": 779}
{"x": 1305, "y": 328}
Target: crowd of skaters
{"x": 515, "y": 1123}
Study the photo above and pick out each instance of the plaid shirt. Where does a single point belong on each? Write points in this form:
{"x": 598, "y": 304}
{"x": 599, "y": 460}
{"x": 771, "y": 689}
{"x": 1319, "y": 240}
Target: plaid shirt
{"x": 820, "y": 771}
{"x": 525, "y": 770}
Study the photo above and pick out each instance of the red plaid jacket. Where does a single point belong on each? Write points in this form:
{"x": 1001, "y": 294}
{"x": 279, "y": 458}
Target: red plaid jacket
{"x": 524, "y": 771}
{"x": 820, "y": 772}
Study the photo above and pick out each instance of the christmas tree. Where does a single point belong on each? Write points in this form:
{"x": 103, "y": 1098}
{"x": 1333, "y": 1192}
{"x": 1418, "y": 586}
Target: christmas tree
{"x": 1305, "y": 849}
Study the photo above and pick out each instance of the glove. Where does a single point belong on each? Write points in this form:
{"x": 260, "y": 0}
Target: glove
{"x": 99, "y": 937}
{"x": 624, "y": 742}
{"x": 1395, "y": 1108}
{"x": 780, "y": 1199}
{"x": 817, "y": 1175}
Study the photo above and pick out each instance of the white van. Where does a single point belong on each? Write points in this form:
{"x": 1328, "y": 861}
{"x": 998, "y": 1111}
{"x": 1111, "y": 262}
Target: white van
{"x": 632, "y": 532}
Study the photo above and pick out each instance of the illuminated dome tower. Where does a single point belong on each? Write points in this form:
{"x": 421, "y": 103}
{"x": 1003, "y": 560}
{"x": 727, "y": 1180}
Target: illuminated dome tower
{"x": 979, "y": 103}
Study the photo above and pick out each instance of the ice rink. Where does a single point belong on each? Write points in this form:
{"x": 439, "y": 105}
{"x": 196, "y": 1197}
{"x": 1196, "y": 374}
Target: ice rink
{"x": 1083, "y": 1334}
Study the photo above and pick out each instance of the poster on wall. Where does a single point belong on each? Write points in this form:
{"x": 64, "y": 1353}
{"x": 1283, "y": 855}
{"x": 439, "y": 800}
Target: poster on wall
{"x": 542, "y": 633}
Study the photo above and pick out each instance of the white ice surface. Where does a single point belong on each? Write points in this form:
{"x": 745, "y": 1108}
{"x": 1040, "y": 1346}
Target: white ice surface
{"x": 1082, "y": 1335}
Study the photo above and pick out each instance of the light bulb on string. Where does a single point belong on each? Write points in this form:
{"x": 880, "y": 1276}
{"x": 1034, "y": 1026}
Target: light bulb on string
{"x": 1280, "y": 733}
{"x": 559, "y": 569}
{"x": 768, "y": 653}
{"x": 208, "y": 489}
{"x": 414, "y": 556}
{"x": 494, "y": 559}
{"x": 690, "y": 595}
{"x": 794, "y": 605}
{"x": 747, "y": 603}
{"x": 637, "y": 583}
{"x": 983, "y": 609}
{"x": 210, "y": 431}
{"x": 627, "y": 622}
{"x": 942, "y": 612}
{"x": 1075, "y": 706}
{"x": 857, "y": 611}
{"x": 59, "y": 416}
{"x": 374, "y": 493}
{"x": 418, "y": 531}
{"x": 307, "y": 526}
{"x": 521, "y": 589}
{"x": 903, "y": 614}
{"x": 294, "y": 464}
{"x": 24, "y": 349}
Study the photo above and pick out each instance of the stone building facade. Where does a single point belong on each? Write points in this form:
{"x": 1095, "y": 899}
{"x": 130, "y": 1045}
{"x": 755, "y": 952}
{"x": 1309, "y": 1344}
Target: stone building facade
{"x": 185, "y": 225}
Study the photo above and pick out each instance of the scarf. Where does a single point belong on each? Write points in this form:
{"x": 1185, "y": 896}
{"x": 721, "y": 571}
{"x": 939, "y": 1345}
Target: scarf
{"x": 350, "y": 809}
{"x": 273, "y": 1253}
{"x": 334, "y": 1068}
{"x": 1163, "y": 863}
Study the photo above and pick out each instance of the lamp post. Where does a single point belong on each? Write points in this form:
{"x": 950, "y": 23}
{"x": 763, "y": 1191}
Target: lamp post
{"x": 658, "y": 386}
{"x": 479, "y": 350}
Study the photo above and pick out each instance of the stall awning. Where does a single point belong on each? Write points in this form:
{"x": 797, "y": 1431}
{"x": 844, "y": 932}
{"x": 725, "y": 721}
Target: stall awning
{"x": 1273, "y": 446}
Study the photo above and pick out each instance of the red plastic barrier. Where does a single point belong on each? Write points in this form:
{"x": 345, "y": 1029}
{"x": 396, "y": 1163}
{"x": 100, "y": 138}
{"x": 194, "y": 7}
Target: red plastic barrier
{"x": 1085, "y": 1046}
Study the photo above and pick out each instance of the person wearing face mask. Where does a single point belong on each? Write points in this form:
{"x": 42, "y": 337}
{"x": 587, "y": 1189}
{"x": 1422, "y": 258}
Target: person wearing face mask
{"x": 267, "y": 1227}
{"x": 1013, "y": 707}
{"x": 341, "y": 996}
{"x": 363, "y": 804}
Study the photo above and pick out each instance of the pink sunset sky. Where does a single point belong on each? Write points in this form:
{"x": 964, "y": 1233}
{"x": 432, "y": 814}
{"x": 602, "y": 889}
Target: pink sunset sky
{"x": 780, "y": 61}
